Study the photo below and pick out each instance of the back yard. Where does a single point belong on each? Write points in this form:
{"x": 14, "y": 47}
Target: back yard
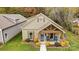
{"x": 15, "y": 44}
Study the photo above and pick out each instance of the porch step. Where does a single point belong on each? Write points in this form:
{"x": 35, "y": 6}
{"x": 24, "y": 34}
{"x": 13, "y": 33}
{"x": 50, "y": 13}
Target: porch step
{"x": 43, "y": 47}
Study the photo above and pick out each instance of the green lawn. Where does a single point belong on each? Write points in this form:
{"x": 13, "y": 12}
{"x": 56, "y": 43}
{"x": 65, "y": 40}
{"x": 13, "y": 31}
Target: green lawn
{"x": 15, "y": 44}
{"x": 74, "y": 43}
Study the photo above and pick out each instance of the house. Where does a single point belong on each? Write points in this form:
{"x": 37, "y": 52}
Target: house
{"x": 43, "y": 28}
{"x": 76, "y": 22}
{"x": 10, "y": 25}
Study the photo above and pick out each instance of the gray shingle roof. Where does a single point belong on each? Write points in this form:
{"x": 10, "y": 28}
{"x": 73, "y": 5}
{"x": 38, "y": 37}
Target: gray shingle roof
{"x": 7, "y": 20}
{"x": 37, "y": 25}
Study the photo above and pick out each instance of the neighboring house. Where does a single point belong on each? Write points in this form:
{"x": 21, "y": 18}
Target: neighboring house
{"x": 76, "y": 25}
{"x": 10, "y": 25}
{"x": 43, "y": 28}
{"x": 76, "y": 22}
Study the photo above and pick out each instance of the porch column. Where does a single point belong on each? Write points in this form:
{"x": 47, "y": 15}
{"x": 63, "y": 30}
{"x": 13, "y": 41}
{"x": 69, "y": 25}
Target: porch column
{"x": 44, "y": 37}
{"x": 59, "y": 37}
{"x": 36, "y": 36}
{"x": 63, "y": 36}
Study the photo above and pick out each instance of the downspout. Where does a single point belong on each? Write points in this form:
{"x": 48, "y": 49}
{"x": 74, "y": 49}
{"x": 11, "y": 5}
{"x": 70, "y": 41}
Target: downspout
{"x": 2, "y": 36}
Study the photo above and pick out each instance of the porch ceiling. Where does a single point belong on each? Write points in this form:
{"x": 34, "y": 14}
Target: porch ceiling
{"x": 49, "y": 31}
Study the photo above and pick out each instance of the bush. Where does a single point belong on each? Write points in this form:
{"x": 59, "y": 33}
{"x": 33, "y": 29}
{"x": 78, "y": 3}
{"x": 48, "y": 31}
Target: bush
{"x": 38, "y": 44}
{"x": 28, "y": 40}
{"x": 36, "y": 40}
{"x": 57, "y": 44}
{"x": 47, "y": 43}
{"x": 1, "y": 43}
{"x": 51, "y": 43}
{"x": 64, "y": 43}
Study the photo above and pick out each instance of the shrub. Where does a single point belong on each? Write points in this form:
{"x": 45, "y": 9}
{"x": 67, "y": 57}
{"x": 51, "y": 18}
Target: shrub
{"x": 1, "y": 43}
{"x": 38, "y": 44}
{"x": 36, "y": 40}
{"x": 51, "y": 43}
{"x": 64, "y": 43}
{"x": 57, "y": 44}
{"x": 47, "y": 43}
{"x": 27, "y": 40}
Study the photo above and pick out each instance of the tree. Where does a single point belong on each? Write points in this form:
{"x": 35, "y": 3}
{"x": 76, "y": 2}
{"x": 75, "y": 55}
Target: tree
{"x": 61, "y": 16}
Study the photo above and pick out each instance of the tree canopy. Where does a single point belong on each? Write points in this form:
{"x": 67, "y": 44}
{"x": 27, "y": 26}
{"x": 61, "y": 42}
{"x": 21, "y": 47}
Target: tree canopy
{"x": 61, "y": 15}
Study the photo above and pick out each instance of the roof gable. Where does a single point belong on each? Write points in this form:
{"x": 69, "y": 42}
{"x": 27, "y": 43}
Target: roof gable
{"x": 34, "y": 24}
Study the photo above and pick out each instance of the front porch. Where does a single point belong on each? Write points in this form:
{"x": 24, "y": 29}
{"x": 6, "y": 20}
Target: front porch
{"x": 50, "y": 35}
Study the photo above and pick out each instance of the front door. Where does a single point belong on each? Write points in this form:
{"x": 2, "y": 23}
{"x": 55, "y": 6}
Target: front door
{"x": 42, "y": 37}
{"x": 30, "y": 35}
{"x": 55, "y": 37}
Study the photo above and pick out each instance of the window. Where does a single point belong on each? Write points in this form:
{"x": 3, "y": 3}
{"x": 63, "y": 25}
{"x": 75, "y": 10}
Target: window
{"x": 5, "y": 35}
{"x": 30, "y": 35}
{"x": 41, "y": 19}
{"x": 42, "y": 37}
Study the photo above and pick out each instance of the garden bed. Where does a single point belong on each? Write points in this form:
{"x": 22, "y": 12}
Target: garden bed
{"x": 58, "y": 47}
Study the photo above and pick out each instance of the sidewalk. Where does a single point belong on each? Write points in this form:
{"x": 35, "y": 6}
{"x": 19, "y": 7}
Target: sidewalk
{"x": 43, "y": 47}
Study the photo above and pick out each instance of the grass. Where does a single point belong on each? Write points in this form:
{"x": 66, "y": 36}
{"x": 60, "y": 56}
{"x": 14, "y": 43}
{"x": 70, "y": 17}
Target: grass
{"x": 74, "y": 43}
{"x": 15, "y": 44}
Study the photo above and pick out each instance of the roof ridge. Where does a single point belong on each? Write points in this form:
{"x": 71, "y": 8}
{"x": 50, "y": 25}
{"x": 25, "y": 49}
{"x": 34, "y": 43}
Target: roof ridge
{"x": 8, "y": 18}
{"x": 55, "y": 24}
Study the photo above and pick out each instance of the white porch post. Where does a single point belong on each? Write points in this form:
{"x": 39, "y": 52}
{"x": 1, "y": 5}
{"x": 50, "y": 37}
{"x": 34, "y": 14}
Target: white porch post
{"x": 44, "y": 37}
{"x": 58, "y": 37}
{"x": 2, "y": 39}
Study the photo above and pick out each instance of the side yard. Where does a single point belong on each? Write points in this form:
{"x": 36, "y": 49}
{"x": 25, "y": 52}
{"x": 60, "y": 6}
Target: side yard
{"x": 74, "y": 44}
{"x": 15, "y": 44}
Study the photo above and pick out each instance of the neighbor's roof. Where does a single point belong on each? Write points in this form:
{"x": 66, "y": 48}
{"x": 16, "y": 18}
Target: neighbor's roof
{"x": 76, "y": 20}
{"x": 36, "y": 25}
{"x": 7, "y": 20}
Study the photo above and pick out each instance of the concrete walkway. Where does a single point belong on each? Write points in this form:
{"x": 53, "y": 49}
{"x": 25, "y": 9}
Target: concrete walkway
{"x": 43, "y": 47}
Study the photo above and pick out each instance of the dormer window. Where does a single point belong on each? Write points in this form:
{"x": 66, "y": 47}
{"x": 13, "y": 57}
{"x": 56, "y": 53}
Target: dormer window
{"x": 41, "y": 19}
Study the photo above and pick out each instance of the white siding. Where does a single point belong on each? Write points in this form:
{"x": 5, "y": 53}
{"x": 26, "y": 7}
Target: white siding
{"x": 11, "y": 32}
{"x": 1, "y": 37}
{"x": 37, "y": 23}
{"x": 24, "y": 34}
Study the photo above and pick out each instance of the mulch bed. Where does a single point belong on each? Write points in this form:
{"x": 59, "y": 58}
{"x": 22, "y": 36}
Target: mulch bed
{"x": 33, "y": 45}
{"x": 1, "y": 45}
{"x": 58, "y": 47}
